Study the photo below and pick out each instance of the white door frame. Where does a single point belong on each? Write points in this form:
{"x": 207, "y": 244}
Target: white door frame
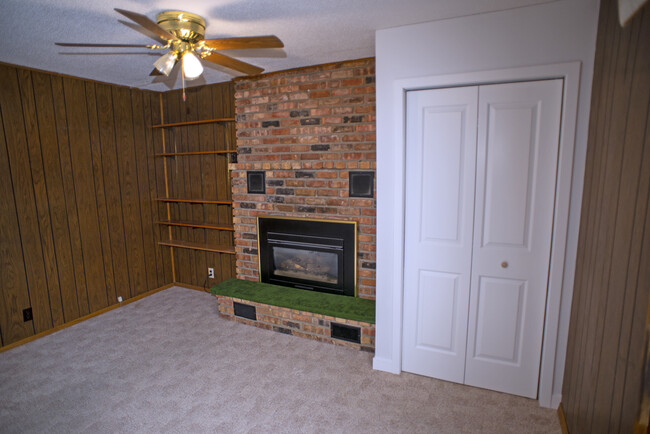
{"x": 390, "y": 234}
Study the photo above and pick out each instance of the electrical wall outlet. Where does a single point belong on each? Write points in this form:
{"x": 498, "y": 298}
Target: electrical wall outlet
{"x": 27, "y": 314}
{"x": 210, "y": 273}
{"x": 119, "y": 299}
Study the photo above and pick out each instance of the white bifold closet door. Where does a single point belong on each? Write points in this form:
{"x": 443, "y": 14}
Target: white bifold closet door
{"x": 481, "y": 168}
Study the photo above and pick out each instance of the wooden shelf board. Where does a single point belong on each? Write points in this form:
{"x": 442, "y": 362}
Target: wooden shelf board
{"x": 204, "y": 121}
{"x": 211, "y": 201}
{"x": 172, "y": 154}
{"x": 217, "y": 248}
{"x": 218, "y": 226}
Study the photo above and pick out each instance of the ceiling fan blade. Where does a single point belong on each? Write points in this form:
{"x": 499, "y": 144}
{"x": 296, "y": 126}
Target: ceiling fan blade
{"x": 147, "y": 24}
{"x": 269, "y": 41}
{"x": 155, "y": 73}
{"x": 237, "y": 65}
{"x": 74, "y": 44}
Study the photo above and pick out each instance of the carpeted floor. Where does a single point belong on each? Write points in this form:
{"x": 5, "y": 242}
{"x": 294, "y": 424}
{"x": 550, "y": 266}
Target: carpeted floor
{"x": 168, "y": 363}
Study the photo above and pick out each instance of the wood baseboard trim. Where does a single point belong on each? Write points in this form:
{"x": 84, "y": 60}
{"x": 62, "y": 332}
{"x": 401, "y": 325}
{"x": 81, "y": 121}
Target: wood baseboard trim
{"x": 561, "y": 416}
{"x": 83, "y": 318}
{"x": 194, "y": 287}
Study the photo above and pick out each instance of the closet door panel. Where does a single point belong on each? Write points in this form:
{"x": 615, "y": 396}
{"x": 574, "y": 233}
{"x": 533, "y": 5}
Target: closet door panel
{"x": 519, "y": 125}
{"x": 441, "y": 154}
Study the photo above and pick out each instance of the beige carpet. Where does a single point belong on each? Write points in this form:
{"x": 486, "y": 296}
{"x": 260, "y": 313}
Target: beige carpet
{"x": 168, "y": 363}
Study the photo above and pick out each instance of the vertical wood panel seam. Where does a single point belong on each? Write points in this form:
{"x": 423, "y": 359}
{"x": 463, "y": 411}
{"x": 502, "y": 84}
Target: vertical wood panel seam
{"x": 12, "y": 189}
{"x": 137, "y": 178}
{"x": 119, "y": 189}
{"x": 74, "y": 195}
{"x": 103, "y": 183}
{"x": 38, "y": 223}
{"x": 94, "y": 190}
{"x": 633, "y": 53}
{"x": 65, "y": 196}
{"x": 49, "y": 213}
{"x": 640, "y": 269}
{"x": 155, "y": 208}
{"x": 15, "y": 207}
{"x": 49, "y": 209}
{"x": 20, "y": 232}
{"x": 636, "y": 293}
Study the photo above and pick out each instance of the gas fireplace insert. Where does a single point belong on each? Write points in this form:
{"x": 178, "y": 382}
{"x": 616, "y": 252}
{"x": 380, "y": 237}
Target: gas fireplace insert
{"x": 317, "y": 255}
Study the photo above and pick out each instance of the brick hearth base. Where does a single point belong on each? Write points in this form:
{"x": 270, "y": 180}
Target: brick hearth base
{"x": 298, "y": 323}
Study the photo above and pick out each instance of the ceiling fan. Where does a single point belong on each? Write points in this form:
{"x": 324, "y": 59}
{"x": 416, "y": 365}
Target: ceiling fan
{"x": 182, "y": 33}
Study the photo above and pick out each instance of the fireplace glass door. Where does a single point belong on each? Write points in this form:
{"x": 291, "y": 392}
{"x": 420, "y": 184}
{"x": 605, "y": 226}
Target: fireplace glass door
{"x": 305, "y": 264}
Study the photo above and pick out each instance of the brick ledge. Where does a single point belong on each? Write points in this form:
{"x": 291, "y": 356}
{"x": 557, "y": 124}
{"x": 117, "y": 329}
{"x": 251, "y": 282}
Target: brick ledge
{"x": 298, "y": 323}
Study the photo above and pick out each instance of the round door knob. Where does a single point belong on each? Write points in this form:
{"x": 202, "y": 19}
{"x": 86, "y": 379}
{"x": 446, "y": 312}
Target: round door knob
{"x": 504, "y": 264}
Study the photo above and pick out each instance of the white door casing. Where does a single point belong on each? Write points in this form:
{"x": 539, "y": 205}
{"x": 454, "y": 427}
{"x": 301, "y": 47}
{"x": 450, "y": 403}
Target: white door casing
{"x": 494, "y": 240}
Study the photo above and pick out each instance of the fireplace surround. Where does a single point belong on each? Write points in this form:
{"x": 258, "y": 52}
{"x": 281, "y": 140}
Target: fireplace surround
{"x": 310, "y": 254}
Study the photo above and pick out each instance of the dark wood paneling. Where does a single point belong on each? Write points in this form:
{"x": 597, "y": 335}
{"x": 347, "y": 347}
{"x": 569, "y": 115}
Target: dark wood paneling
{"x": 118, "y": 247}
{"x": 142, "y": 134}
{"x": 102, "y": 205}
{"x": 84, "y": 185}
{"x": 129, "y": 187}
{"x": 14, "y": 296}
{"x": 601, "y": 391}
{"x": 41, "y": 200}
{"x": 58, "y": 213}
{"x": 19, "y": 163}
{"x": 77, "y": 177}
{"x": 71, "y": 297}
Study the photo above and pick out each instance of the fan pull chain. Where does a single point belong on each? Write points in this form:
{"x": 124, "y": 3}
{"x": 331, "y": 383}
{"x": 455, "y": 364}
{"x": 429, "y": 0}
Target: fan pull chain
{"x": 183, "y": 75}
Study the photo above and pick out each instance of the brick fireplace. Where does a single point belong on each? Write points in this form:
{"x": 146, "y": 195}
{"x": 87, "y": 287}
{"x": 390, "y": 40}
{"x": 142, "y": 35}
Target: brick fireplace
{"x": 306, "y": 129}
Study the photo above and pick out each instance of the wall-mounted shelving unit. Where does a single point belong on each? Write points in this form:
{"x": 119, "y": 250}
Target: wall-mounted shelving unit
{"x": 198, "y": 246}
{"x": 178, "y": 199}
{"x": 221, "y": 227}
{"x": 176, "y": 218}
{"x": 173, "y": 154}
{"x": 187, "y": 123}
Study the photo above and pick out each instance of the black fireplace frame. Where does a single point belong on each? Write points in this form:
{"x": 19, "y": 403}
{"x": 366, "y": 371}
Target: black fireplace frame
{"x": 332, "y": 236}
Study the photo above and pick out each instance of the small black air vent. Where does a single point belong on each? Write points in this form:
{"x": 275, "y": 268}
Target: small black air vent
{"x": 245, "y": 311}
{"x": 361, "y": 184}
{"x": 256, "y": 182}
{"x": 346, "y": 333}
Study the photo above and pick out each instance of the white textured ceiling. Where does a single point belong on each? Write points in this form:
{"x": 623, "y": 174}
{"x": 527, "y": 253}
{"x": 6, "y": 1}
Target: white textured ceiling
{"x": 313, "y": 32}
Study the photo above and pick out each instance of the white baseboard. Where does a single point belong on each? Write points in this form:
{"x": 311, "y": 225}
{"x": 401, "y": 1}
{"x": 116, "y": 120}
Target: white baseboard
{"x": 383, "y": 364}
{"x": 556, "y": 399}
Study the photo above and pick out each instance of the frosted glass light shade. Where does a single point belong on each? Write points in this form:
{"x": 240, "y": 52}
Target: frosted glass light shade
{"x": 166, "y": 62}
{"x": 192, "y": 67}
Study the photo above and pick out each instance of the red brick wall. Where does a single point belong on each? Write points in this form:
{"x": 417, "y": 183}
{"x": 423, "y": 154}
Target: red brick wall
{"x": 306, "y": 128}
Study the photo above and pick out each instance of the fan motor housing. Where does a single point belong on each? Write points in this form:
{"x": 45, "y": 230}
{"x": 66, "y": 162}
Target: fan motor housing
{"x": 186, "y": 26}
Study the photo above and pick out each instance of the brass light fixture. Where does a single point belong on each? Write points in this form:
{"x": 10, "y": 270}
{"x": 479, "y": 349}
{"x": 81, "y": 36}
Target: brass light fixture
{"x": 189, "y": 29}
{"x": 182, "y": 33}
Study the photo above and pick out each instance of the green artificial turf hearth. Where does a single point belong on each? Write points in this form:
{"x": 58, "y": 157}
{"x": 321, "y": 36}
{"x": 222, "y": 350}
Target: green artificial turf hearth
{"x": 340, "y": 306}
